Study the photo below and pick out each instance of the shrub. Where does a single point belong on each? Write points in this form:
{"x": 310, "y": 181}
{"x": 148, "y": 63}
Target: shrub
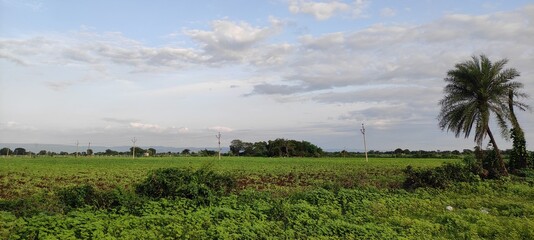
{"x": 439, "y": 177}
{"x": 77, "y": 196}
{"x": 202, "y": 185}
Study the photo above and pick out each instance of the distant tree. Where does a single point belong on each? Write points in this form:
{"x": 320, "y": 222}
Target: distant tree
{"x": 276, "y": 148}
{"x": 110, "y": 152}
{"x": 151, "y": 151}
{"x": 186, "y": 152}
{"x": 207, "y": 153}
{"x": 467, "y": 151}
{"x": 138, "y": 151}
{"x": 406, "y": 151}
{"x": 248, "y": 149}
{"x": 475, "y": 90}
{"x": 6, "y": 151}
{"x": 398, "y": 151}
{"x": 90, "y": 152}
{"x": 260, "y": 149}
{"x": 62, "y": 153}
{"x": 19, "y": 151}
{"x": 42, "y": 153}
{"x": 236, "y": 146}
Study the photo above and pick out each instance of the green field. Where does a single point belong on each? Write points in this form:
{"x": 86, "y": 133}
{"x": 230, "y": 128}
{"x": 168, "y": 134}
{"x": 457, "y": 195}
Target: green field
{"x": 20, "y": 177}
{"x": 291, "y": 198}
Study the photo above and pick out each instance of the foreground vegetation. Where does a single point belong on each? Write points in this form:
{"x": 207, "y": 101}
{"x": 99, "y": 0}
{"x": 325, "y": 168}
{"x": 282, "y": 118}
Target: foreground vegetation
{"x": 253, "y": 198}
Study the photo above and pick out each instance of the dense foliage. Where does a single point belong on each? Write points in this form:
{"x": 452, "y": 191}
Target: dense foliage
{"x": 202, "y": 185}
{"x": 439, "y": 177}
{"x": 275, "y": 148}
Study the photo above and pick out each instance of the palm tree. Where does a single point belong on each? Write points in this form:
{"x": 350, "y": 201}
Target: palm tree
{"x": 475, "y": 90}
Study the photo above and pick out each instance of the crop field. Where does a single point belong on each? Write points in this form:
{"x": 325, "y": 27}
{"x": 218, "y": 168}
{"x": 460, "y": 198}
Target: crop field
{"x": 252, "y": 198}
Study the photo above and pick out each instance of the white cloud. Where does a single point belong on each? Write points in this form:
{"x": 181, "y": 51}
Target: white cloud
{"x": 146, "y": 126}
{"x": 153, "y": 128}
{"x": 388, "y": 12}
{"x": 183, "y": 130}
{"x": 229, "y": 41}
{"x": 96, "y": 51}
{"x": 16, "y": 126}
{"x": 405, "y": 54}
{"x": 33, "y": 5}
{"x": 323, "y": 10}
{"x": 320, "y": 10}
{"x": 220, "y": 129}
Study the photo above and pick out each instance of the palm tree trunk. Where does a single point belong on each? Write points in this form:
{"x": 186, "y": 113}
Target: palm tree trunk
{"x": 519, "y": 157}
{"x": 500, "y": 162}
{"x": 513, "y": 118}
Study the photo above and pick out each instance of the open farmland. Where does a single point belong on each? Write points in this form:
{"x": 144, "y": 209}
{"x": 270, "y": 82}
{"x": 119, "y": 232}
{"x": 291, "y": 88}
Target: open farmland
{"x": 21, "y": 177}
{"x": 338, "y": 198}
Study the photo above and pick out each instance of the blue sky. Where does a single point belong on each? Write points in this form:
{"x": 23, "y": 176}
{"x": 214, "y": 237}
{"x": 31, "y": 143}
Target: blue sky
{"x": 174, "y": 73}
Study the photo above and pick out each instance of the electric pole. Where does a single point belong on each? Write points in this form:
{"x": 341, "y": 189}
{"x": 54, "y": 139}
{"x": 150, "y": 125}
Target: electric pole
{"x": 364, "y": 143}
{"x": 77, "y": 147}
{"x": 133, "y": 148}
{"x": 218, "y": 136}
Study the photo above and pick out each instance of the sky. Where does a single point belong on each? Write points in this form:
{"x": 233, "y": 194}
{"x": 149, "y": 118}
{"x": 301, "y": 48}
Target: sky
{"x": 175, "y": 73}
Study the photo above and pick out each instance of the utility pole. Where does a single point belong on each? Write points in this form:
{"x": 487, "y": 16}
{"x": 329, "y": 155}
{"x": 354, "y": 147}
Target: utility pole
{"x": 364, "y": 143}
{"x": 133, "y": 148}
{"x": 77, "y": 147}
{"x": 218, "y": 136}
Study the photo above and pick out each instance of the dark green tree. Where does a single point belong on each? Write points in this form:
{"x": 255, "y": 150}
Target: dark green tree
{"x": 260, "y": 149}
{"x": 5, "y": 151}
{"x": 476, "y": 90}
{"x": 110, "y": 152}
{"x": 138, "y": 151}
{"x": 186, "y": 152}
{"x": 19, "y": 151}
{"x": 236, "y": 146}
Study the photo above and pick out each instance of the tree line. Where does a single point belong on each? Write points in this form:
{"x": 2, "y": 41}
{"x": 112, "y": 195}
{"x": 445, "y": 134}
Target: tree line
{"x": 275, "y": 148}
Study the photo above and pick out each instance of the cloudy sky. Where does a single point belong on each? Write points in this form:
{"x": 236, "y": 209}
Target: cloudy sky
{"x": 174, "y": 73}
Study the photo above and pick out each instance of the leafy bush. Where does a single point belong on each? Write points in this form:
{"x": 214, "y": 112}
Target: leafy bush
{"x": 439, "y": 177}
{"x": 77, "y": 196}
{"x": 202, "y": 185}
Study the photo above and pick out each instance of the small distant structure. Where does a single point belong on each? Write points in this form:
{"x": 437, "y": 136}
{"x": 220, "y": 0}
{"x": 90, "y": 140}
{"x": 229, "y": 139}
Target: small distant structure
{"x": 77, "y": 147}
{"x": 364, "y": 143}
{"x": 218, "y": 136}
{"x": 146, "y": 154}
{"x": 134, "y": 140}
